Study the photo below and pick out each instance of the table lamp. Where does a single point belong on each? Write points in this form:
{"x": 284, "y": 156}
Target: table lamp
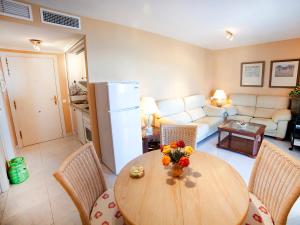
{"x": 220, "y": 96}
{"x": 148, "y": 107}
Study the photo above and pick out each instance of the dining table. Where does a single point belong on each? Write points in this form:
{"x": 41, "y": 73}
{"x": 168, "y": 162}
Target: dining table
{"x": 210, "y": 192}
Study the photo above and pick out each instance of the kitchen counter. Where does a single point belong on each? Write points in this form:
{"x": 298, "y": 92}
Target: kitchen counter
{"x": 82, "y": 107}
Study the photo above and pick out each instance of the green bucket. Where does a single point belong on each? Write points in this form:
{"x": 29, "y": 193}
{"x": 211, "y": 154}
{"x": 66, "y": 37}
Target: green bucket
{"x": 17, "y": 172}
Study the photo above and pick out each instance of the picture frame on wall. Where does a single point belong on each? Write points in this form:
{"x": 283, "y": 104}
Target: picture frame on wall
{"x": 252, "y": 74}
{"x": 284, "y": 73}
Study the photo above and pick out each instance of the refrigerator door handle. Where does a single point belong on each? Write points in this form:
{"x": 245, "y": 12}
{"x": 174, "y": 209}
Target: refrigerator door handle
{"x": 123, "y": 110}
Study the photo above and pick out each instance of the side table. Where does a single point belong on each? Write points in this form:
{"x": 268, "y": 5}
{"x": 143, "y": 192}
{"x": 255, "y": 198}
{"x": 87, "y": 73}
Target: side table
{"x": 151, "y": 142}
{"x": 295, "y": 131}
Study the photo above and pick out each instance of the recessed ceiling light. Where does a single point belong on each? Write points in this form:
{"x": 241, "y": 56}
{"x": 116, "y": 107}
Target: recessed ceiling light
{"x": 36, "y": 44}
{"x": 229, "y": 35}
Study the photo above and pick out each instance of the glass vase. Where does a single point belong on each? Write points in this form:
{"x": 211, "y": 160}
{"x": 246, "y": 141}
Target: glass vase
{"x": 177, "y": 170}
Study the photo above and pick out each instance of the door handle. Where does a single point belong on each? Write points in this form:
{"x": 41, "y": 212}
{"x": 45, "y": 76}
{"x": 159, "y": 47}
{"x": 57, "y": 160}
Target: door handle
{"x": 55, "y": 99}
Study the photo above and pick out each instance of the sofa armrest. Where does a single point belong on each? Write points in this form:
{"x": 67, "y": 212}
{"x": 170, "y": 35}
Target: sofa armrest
{"x": 214, "y": 111}
{"x": 282, "y": 115}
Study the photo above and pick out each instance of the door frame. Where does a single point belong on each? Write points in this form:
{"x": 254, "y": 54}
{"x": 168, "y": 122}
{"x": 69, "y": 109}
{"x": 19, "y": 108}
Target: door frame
{"x": 3, "y": 56}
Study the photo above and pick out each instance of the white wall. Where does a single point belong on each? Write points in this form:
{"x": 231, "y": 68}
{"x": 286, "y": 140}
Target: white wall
{"x": 164, "y": 67}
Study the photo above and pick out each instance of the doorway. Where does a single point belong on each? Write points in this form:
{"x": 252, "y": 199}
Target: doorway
{"x": 33, "y": 91}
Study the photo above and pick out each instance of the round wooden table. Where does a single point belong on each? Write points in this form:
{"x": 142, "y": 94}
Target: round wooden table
{"x": 210, "y": 192}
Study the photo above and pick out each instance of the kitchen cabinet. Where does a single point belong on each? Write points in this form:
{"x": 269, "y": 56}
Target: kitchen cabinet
{"x": 77, "y": 124}
{"x": 80, "y": 128}
{"x": 74, "y": 121}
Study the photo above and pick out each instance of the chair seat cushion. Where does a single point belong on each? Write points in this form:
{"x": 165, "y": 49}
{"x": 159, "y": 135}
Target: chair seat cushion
{"x": 105, "y": 210}
{"x": 257, "y": 213}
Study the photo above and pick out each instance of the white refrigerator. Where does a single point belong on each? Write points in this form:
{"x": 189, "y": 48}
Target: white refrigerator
{"x": 119, "y": 122}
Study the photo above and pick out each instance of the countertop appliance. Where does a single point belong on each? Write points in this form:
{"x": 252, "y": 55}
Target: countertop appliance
{"x": 119, "y": 122}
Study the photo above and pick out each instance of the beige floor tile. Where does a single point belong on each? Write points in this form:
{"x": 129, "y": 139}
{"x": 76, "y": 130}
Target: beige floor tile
{"x": 70, "y": 218}
{"x": 3, "y": 197}
{"x": 54, "y": 188}
{"x": 35, "y": 180}
{"x": 17, "y": 202}
{"x": 40, "y": 214}
{"x": 61, "y": 206}
{"x": 109, "y": 177}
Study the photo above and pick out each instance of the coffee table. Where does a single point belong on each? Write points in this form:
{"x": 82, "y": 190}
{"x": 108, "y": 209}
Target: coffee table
{"x": 243, "y": 139}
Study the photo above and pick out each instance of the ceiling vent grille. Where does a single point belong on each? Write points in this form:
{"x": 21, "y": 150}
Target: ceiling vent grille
{"x": 15, "y": 9}
{"x": 60, "y": 19}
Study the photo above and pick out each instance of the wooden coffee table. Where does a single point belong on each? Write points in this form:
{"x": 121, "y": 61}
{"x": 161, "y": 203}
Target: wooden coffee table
{"x": 243, "y": 139}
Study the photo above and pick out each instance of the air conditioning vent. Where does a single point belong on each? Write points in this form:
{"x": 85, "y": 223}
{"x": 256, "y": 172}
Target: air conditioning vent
{"x": 60, "y": 19}
{"x": 15, "y": 9}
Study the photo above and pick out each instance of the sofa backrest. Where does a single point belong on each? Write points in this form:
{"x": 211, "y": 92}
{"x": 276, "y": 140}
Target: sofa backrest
{"x": 194, "y": 106}
{"x": 267, "y": 105}
{"x": 261, "y": 106}
{"x": 170, "y": 106}
{"x": 272, "y": 102}
{"x": 182, "y": 110}
{"x": 244, "y": 103}
{"x": 194, "y": 102}
{"x": 173, "y": 110}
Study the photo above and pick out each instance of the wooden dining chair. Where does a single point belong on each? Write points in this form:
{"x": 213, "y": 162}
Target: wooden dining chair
{"x": 82, "y": 178}
{"x": 186, "y": 133}
{"x": 274, "y": 186}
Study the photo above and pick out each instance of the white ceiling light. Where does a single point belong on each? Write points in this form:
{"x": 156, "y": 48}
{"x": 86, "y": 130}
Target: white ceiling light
{"x": 36, "y": 44}
{"x": 229, "y": 35}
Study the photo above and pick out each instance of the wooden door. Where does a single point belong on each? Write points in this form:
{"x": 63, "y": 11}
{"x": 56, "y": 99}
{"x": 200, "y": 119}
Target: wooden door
{"x": 33, "y": 94}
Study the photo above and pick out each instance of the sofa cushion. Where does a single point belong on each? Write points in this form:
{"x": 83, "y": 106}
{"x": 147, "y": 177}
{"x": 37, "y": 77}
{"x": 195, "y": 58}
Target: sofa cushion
{"x": 269, "y": 123}
{"x": 282, "y": 115}
{"x": 193, "y": 102}
{"x": 196, "y": 113}
{"x": 211, "y": 121}
{"x": 214, "y": 111}
{"x": 272, "y": 102}
{"x": 202, "y": 129}
{"x": 240, "y": 118}
{"x": 170, "y": 106}
{"x": 264, "y": 113}
{"x": 245, "y": 110}
{"x": 243, "y": 100}
{"x": 180, "y": 118}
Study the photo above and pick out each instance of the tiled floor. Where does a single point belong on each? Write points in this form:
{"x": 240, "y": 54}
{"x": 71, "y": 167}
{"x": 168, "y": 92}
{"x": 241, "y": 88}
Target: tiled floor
{"x": 41, "y": 201}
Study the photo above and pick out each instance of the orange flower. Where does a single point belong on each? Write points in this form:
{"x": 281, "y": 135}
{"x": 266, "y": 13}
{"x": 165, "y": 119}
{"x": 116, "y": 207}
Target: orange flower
{"x": 173, "y": 144}
{"x": 166, "y": 160}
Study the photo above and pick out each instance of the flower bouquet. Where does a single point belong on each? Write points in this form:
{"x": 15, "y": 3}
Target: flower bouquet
{"x": 178, "y": 154}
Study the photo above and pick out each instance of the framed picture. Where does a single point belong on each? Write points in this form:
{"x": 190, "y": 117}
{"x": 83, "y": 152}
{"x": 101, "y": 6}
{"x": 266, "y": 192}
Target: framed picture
{"x": 284, "y": 73}
{"x": 252, "y": 74}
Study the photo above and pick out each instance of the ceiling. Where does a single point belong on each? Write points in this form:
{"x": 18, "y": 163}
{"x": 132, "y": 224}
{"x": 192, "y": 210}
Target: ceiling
{"x": 200, "y": 22}
{"x": 16, "y": 36}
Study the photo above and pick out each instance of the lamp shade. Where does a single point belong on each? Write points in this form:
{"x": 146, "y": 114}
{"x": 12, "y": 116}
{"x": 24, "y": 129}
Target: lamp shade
{"x": 219, "y": 95}
{"x": 148, "y": 106}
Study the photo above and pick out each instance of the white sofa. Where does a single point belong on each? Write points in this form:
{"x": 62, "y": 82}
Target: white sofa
{"x": 190, "y": 110}
{"x": 271, "y": 111}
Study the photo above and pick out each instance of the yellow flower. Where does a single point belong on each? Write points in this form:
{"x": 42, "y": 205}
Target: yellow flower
{"x": 188, "y": 150}
{"x": 166, "y": 149}
{"x": 166, "y": 160}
